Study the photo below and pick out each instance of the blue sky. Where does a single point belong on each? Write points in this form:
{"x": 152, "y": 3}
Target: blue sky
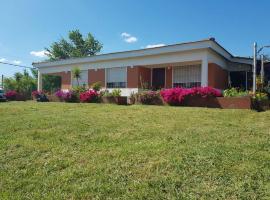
{"x": 30, "y": 25}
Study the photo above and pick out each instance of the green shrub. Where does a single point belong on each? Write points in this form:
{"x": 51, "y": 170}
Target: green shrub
{"x": 234, "y": 92}
{"x": 79, "y": 89}
{"x": 260, "y": 96}
{"x": 116, "y": 92}
{"x": 150, "y": 98}
{"x": 96, "y": 86}
{"x": 105, "y": 93}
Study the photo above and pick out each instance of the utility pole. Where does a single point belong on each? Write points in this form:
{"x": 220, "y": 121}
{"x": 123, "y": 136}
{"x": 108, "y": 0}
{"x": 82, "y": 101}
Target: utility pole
{"x": 262, "y": 69}
{"x": 2, "y": 81}
{"x": 254, "y": 67}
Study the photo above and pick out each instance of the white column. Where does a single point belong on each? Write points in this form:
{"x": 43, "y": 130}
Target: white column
{"x": 204, "y": 72}
{"x": 39, "y": 83}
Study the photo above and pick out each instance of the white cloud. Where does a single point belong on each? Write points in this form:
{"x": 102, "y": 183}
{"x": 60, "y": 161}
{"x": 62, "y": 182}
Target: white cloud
{"x": 124, "y": 35}
{"x": 40, "y": 54}
{"x": 131, "y": 39}
{"x": 128, "y": 37}
{"x": 3, "y": 60}
{"x": 154, "y": 45}
{"x": 17, "y": 62}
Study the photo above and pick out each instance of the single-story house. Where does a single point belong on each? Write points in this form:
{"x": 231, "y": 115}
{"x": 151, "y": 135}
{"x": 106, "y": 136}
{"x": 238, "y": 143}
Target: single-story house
{"x": 199, "y": 63}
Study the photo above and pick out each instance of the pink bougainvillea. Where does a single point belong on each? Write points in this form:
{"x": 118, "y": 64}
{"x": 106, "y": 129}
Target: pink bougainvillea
{"x": 90, "y": 96}
{"x": 206, "y": 91}
{"x": 11, "y": 95}
{"x": 67, "y": 96}
{"x": 176, "y": 96}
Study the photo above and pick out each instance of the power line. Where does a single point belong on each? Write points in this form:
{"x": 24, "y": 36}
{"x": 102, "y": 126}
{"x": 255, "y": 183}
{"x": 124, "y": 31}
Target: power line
{"x": 5, "y": 63}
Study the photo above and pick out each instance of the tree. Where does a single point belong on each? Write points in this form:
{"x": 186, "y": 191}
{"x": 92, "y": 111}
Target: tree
{"x": 77, "y": 46}
{"x": 51, "y": 83}
{"x": 23, "y": 83}
{"x": 76, "y": 73}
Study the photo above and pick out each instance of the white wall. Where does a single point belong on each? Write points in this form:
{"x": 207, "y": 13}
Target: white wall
{"x": 203, "y": 56}
{"x": 196, "y": 55}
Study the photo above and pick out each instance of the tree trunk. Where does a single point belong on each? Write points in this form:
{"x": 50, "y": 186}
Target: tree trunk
{"x": 77, "y": 82}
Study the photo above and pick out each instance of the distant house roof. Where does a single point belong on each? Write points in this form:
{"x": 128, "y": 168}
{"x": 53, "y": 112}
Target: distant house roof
{"x": 210, "y": 43}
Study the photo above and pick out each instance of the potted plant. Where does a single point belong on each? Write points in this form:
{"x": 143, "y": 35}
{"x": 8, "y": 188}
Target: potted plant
{"x": 120, "y": 100}
{"x": 260, "y": 101}
{"x": 106, "y": 97}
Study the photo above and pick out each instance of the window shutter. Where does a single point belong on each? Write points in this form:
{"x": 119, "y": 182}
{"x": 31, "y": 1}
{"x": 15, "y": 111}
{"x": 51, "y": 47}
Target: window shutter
{"x": 116, "y": 75}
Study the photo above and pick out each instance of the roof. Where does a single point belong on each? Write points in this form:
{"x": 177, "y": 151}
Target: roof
{"x": 209, "y": 43}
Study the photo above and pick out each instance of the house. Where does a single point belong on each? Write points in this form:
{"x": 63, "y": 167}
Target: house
{"x": 199, "y": 63}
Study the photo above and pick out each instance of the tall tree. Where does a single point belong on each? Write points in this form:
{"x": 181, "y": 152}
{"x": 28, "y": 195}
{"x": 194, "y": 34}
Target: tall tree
{"x": 76, "y": 46}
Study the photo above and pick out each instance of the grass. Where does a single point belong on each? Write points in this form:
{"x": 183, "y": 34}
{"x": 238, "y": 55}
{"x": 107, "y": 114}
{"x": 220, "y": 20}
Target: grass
{"x": 98, "y": 151}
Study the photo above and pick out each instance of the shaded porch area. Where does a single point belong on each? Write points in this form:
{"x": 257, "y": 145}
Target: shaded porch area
{"x": 158, "y": 76}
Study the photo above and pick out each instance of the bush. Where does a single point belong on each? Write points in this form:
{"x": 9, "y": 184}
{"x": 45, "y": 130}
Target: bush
{"x": 176, "y": 96}
{"x": 260, "y": 101}
{"x": 260, "y": 96}
{"x": 116, "y": 93}
{"x": 40, "y": 96}
{"x": 90, "y": 96}
{"x": 12, "y": 95}
{"x": 150, "y": 98}
{"x": 36, "y": 94}
{"x": 234, "y": 92}
{"x": 79, "y": 89}
{"x": 206, "y": 92}
{"x": 96, "y": 86}
{"x": 67, "y": 96}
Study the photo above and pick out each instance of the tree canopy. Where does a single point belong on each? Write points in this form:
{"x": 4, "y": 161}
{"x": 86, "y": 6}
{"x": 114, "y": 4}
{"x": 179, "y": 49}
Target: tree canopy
{"x": 76, "y": 46}
{"x": 23, "y": 83}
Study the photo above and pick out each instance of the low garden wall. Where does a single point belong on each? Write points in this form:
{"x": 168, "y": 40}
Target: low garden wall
{"x": 219, "y": 102}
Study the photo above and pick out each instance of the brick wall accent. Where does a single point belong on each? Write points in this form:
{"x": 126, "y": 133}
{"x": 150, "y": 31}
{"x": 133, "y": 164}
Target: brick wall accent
{"x": 217, "y": 77}
{"x": 168, "y": 73}
{"x": 96, "y": 76}
{"x": 132, "y": 77}
{"x": 65, "y": 79}
{"x": 144, "y": 76}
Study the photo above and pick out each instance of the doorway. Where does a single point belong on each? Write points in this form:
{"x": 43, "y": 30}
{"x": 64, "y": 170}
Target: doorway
{"x": 158, "y": 78}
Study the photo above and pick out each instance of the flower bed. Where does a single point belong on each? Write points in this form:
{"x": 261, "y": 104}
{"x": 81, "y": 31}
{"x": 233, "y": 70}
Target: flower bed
{"x": 189, "y": 97}
{"x": 11, "y": 95}
{"x": 150, "y": 98}
{"x": 67, "y": 96}
{"x": 15, "y": 96}
{"x": 90, "y": 96}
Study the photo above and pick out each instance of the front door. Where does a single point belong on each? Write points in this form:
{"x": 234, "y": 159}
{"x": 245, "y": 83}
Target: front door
{"x": 158, "y": 78}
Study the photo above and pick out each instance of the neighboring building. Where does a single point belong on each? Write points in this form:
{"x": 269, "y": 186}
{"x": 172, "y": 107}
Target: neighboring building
{"x": 200, "y": 63}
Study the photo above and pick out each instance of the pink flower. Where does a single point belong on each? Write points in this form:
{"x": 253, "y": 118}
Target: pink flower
{"x": 176, "y": 96}
{"x": 12, "y": 95}
{"x": 89, "y": 96}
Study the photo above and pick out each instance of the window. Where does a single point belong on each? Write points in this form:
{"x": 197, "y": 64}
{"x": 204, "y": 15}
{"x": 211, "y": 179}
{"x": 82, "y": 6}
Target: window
{"x": 83, "y": 80}
{"x": 187, "y": 76}
{"x": 116, "y": 77}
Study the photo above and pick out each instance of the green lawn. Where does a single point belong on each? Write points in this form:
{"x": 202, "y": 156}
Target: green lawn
{"x": 98, "y": 151}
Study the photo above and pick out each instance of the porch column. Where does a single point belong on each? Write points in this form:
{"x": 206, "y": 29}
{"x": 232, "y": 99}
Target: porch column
{"x": 39, "y": 82}
{"x": 204, "y": 72}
